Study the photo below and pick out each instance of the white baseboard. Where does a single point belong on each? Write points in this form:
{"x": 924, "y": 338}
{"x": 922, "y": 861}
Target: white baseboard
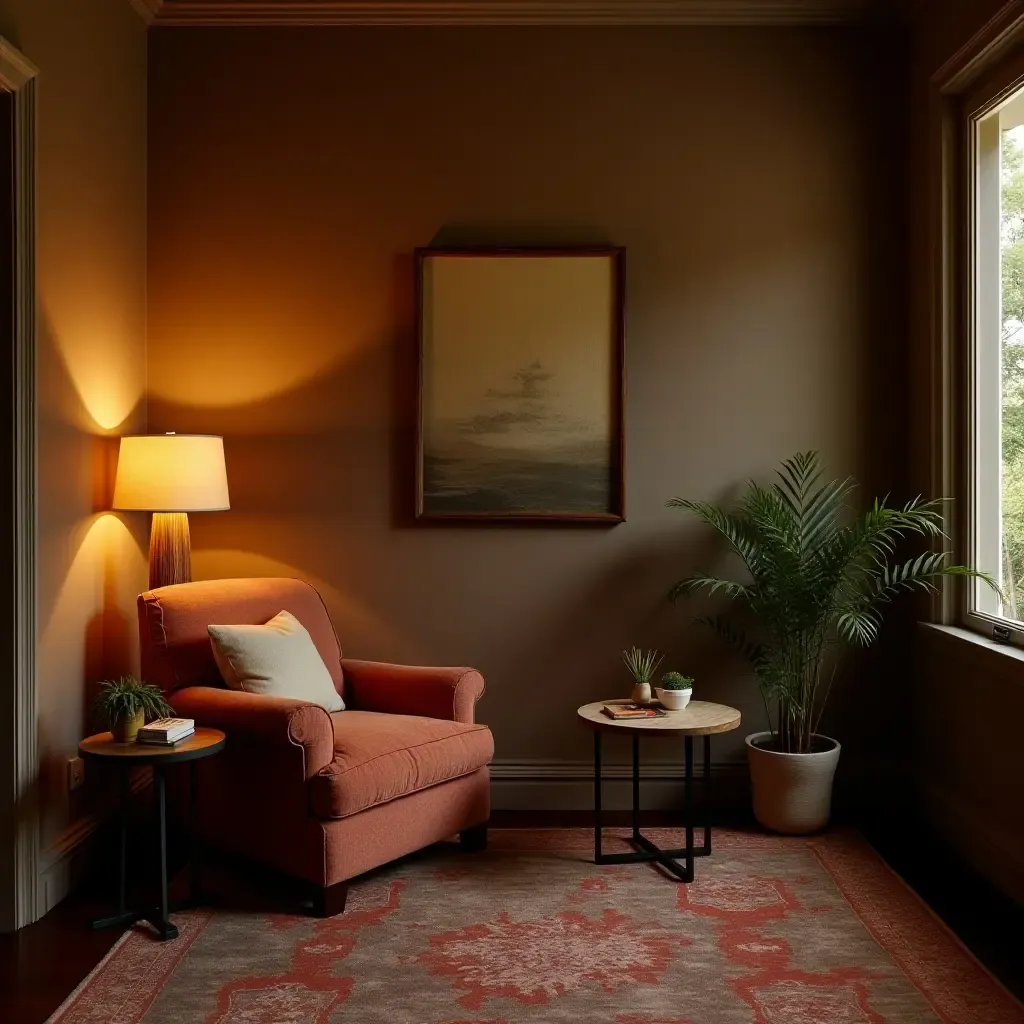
{"x": 569, "y": 785}
{"x": 68, "y": 859}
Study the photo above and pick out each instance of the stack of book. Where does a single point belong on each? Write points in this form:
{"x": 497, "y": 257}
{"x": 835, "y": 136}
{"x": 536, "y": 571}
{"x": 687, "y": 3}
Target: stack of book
{"x": 165, "y": 732}
{"x": 623, "y": 712}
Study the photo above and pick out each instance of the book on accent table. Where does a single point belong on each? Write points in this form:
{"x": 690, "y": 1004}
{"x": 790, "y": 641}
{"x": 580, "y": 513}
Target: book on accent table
{"x": 622, "y": 712}
{"x": 165, "y": 732}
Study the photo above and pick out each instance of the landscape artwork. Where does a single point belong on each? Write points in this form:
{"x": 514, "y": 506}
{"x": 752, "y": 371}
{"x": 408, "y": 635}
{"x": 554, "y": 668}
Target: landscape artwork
{"x": 520, "y": 384}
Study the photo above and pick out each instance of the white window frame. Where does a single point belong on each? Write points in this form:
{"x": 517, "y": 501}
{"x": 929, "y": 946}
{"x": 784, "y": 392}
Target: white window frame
{"x": 983, "y": 115}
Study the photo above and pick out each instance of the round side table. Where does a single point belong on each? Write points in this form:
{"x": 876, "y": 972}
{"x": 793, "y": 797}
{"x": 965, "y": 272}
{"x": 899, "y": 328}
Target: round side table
{"x": 698, "y": 718}
{"x": 102, "y": 747}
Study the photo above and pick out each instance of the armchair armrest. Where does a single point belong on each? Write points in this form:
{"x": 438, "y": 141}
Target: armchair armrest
{"x": 274, "y": 720}
{"x": 447, "y": 693}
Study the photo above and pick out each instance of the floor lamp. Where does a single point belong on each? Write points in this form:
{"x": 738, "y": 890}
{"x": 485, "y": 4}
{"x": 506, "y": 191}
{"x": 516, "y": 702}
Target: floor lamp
{"x": 171, "y": 475}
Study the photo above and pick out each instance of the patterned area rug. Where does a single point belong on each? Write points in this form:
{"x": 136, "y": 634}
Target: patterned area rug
{"x": 773, "y": 931}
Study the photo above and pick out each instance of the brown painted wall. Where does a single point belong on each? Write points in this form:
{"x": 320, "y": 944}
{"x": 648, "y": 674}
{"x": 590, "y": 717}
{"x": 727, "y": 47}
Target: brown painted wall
{"x": 752, "y": 177}
{"x": 967, "y": 700}
{"x": 91, "y": 239}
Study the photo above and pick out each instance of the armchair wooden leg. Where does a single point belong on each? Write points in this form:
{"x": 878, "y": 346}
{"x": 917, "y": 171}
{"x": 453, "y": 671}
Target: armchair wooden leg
{"x": 474, "y": 839}
{"x": 330, "y": 900}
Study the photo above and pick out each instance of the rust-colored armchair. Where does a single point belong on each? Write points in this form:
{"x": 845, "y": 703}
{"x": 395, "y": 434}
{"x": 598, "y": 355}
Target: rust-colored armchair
{"x": 323, "y": 797}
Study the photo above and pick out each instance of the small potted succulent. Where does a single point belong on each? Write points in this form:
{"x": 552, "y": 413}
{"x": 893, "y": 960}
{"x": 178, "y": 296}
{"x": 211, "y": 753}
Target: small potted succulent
{"x": 642, "y": 665}
{"x": 675, "y": 691}
{"x": 125, "y": 704}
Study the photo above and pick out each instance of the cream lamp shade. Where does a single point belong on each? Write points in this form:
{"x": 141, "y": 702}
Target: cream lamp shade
{"x": 171, "y": 473}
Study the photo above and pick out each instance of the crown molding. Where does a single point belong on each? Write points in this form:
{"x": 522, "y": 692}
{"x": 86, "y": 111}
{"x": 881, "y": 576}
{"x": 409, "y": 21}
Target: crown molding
{"x": 15, "y": 68}
{"x": 147, "y": 9}
{"x": 512, "y": 12}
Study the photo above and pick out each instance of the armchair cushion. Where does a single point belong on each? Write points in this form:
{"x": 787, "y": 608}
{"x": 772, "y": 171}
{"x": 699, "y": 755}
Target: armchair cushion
{"x": 277, "y": 659}
{"x": 448, "y": 693}
{"x": 379, "y": 757}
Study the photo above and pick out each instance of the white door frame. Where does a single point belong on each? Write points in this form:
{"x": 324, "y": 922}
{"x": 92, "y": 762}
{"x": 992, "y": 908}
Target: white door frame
{"x": 19, "y": 755}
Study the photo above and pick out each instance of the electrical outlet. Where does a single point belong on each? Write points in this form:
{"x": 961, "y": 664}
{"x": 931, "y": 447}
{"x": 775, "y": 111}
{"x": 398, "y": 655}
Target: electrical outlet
{"x": 76, "y": 772}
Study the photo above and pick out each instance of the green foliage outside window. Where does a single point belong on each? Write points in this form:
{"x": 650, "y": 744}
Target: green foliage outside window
{"x": 1012, "y": 248}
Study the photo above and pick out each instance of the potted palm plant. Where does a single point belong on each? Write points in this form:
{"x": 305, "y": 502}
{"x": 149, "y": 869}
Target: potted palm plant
{"x": 817, "y": 578}
{"x": 124, "y": 704}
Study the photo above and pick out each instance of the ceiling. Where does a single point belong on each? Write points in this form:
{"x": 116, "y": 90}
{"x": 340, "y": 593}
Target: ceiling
{"x": 515, "y": 12}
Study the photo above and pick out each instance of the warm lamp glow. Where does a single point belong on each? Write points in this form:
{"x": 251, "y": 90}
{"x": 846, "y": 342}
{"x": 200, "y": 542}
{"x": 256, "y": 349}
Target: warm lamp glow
{"x": 171, "y": 473}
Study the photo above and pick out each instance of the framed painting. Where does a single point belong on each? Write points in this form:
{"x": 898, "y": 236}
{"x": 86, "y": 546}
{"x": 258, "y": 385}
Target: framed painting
{"x": 521, "y": 379}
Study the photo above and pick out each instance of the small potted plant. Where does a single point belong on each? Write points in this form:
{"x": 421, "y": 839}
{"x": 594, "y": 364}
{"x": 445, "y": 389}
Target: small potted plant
{"x": 642, "y": 665}
{"x": 125, "y": 704}
{"x": 675, "y": 691}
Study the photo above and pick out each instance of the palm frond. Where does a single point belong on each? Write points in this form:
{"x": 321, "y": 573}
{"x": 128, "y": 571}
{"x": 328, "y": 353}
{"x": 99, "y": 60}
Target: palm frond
{"x": 735, "y": 638}
{"x": 859, "y": 626}
{"x": 734, "y": 529}
{"x": 712, "y": 584}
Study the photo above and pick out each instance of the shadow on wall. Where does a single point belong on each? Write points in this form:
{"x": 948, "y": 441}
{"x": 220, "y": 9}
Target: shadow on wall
{"x": 89, "y": 561}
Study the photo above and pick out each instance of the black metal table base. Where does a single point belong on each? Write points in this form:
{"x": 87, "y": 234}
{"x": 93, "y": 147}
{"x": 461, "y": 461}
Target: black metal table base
{"x": 157, "y": 917}
{"x": 647, "y": 851}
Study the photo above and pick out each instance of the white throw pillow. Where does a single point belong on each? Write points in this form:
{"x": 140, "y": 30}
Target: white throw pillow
{"x": 278, "y": 659}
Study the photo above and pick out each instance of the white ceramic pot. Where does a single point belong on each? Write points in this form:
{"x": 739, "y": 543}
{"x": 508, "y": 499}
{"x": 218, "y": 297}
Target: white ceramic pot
{"x": 674, "y": 700}
{"x": 792, "y": 792}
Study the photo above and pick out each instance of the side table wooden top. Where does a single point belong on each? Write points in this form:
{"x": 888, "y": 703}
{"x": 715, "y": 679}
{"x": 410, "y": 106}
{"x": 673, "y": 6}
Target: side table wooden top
{"x": 698, "y": 718}
{"x": 202, "y": 743}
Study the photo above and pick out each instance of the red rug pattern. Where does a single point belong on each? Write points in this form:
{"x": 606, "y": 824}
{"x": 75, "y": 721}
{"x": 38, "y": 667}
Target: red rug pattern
{"x": 773, "y": 931}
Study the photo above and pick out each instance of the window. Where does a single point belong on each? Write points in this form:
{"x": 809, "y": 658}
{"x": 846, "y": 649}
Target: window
{"x": 996, "y": 414}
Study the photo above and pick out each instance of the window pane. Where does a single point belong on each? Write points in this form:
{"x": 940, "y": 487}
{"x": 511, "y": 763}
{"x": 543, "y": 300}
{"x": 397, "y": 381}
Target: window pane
{"x": 1011, "y": 246}
{"x": 998, "y": 414}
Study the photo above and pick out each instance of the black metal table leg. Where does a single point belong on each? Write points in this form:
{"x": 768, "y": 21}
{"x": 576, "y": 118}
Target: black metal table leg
{"x": 195, "y": 839}
{"x": 122, "y": 867}
{"x": 158, "y": 919}
{"x": 646, "y": 850}
{"x": 636, "y": 786}
{"x": 688, "y": 809}
{"x": 124, "y": 916}
{"x": 162, "y": 923}
{"x": 707, "y": 796}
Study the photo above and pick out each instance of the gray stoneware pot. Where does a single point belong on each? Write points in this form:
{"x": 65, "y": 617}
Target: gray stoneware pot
{"x": 792, "y": 792}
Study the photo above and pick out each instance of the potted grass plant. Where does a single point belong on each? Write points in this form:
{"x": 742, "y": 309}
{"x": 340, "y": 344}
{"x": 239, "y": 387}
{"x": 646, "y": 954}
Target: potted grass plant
{"x": 817, "y": 578}
{"x": 675, "y": 691}
{"x": 641, "y": 666}
{"x": 124, "y": 705}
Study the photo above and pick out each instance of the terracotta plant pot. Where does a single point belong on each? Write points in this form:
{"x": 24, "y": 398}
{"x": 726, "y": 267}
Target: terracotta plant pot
{"x": 126, "y": 730}
{"x": 792, "y": 792}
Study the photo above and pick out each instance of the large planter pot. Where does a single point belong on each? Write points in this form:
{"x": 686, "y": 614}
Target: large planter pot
{"x": 792, "y": 792}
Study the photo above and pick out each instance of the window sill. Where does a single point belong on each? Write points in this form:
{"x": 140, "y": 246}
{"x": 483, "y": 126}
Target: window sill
{"x": 967, "y": 636}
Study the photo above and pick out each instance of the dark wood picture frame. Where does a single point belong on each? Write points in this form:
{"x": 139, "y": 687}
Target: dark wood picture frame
{"x": 615, "y": 512}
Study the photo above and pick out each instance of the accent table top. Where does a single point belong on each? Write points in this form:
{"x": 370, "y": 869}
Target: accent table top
{"x": 202, "y": 743}
{"x": 698, "y": 718}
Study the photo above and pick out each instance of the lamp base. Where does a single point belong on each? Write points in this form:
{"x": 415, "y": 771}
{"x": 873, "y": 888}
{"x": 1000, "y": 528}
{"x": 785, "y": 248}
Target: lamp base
{"x": 170, "y": 550}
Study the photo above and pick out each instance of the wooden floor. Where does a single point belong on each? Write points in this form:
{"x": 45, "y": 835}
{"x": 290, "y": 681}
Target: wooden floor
{"x": 42, "y": 964}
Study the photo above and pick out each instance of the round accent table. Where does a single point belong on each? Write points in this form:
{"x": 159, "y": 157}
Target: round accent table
{"x": 698, "y": 718}
{"x": 125, "y": 756}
